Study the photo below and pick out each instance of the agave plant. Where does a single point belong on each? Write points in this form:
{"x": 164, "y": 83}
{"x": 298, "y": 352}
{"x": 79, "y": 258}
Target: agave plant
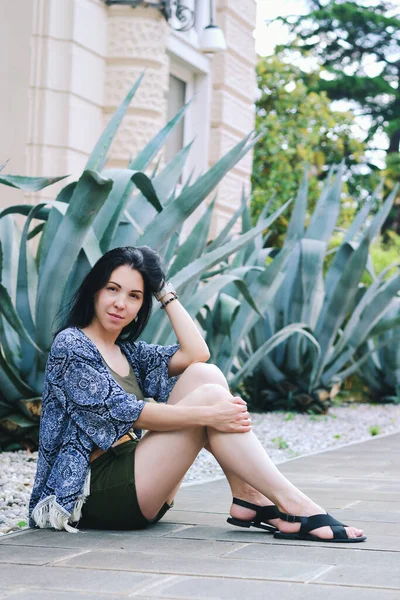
{"x": 199, "y": 285}
{"x": 312, "y": 325}
{"x": 104, "y": 209}
{"x": 380, "y": 367}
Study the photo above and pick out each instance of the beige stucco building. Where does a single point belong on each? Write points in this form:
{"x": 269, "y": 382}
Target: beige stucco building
{"x": 67, "y": 64}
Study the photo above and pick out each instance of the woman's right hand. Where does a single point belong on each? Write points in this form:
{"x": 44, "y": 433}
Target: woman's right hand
{"x": 230, "y": 415}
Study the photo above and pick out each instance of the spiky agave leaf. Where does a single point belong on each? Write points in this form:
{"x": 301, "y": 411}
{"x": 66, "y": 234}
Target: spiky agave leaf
{"x": 175, "y": 213}
{"x": 29, "y": 184}
{"x": 89, "y": 195}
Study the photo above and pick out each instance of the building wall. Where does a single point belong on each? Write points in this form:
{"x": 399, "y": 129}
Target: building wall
{"x": 137, "y": 42}
{"x": 69, "y": 64}
{"x": 69, "y": 46}
{"x": 63, "y": 61}
{"x": 234, "y": 87}
{"x": 15, "y": 44}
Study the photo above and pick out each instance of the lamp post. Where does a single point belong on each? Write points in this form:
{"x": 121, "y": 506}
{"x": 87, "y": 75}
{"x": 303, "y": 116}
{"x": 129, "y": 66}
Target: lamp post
{"x": 212, "y": 38}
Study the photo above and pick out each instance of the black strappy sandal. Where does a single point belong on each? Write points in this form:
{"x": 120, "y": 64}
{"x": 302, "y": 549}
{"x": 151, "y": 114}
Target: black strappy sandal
{"x": 314, "y": 522}
{"x": 263, "y": 513}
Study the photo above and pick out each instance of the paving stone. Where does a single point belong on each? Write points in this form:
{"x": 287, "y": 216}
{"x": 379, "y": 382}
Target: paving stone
{"x": 204, "y": 588}
{"x": 303, "y": 478}
{"x": 63, "y": 539}
{"x": 371, "y": 576}
{"x": 317, "y": 553}
{"x": 199, "y": 519}
{"x": 196, "y": 493}
{"x": 338, "y": 462}
{"x": 27, "y": 594}
{"x": 184, "y": 548}
{"x": 91, "y": 538}
{"x": 193, "y": 553}
{"x": 28, "y": 555}
{"x": 85, "y": 539}
{"x": 227, "y": 534}
{"x": 336, "y": 493}
{"x": 217, "y": 567}
{"x": 347, "y": 515}
{"x": 391, "y": 488}
{"x": 204, "y": 490}
{"x": 241, "y": 535}
{"x": 186, "y": 517}
{"x": 161, "y": 529}
{"x": 330, "y": 503}
{"x": 374, "y": 505}
{"x": 356, "y": 484}
{"x": 208, "y": 487}
{"x": 202, "y": 502}
{"x": 383, "y": 542}
{"x": 235, "y": 534}
{"x": 125, "y": 541}
{"x": 196, "y": 504}
{"x": 59, "y": 578}
{"x": 323, "y": 472}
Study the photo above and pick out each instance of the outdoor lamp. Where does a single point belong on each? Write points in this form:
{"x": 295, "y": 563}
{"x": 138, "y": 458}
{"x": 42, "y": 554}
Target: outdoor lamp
{"x": 212, "y": 38}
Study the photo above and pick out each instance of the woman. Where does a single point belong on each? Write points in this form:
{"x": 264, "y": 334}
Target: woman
{"x": 93, "y": 468}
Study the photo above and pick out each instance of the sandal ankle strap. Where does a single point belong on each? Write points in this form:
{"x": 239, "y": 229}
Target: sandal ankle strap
{"x": 244, "y": 503}
{"x": 262, "y": 512}
{"x": 291, "y": 518}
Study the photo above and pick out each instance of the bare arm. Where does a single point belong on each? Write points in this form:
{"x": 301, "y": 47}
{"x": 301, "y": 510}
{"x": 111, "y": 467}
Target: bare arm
{"x": 165, "y": 417}
{"x": 193, "y": 348}
{"x": 226, "y": 413}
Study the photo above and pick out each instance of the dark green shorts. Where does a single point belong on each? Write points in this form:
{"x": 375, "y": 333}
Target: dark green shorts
{"x": 112, "y": 503}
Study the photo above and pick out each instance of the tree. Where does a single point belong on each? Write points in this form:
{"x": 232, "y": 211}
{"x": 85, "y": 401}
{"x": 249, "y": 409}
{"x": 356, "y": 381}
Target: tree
{"x": 358, "y": 47}
{"x": 297, "y": 126}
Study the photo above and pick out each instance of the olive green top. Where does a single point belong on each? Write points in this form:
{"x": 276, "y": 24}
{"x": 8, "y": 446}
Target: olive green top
{"x": 129, "y": 383}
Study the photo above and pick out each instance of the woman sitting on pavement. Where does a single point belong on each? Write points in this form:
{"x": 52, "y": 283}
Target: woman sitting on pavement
{"x": 94, "y": 466}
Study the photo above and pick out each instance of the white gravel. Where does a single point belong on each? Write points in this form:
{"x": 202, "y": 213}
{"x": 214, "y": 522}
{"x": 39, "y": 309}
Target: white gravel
{"x": 284, "y": 435}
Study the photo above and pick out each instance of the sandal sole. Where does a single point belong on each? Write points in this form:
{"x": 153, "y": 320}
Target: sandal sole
{"x": 314, "y": 538}
{"x": 248, "y": 524}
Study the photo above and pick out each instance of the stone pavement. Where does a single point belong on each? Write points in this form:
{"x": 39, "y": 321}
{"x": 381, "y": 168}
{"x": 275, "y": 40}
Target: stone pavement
{"x": 193, "y": 553}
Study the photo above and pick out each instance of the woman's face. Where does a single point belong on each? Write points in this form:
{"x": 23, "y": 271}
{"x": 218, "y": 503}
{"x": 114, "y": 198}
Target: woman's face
{"x": 118, "y": 303}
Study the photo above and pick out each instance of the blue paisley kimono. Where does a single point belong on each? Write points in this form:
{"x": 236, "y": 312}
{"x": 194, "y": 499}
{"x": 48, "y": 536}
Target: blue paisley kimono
{"x": 84, "y": 407}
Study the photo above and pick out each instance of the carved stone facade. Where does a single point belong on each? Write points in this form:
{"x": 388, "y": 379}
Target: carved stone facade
{"x": 137, "y": 42}
{"x": 234, "y": 87}
{"x": 69, "y": 65}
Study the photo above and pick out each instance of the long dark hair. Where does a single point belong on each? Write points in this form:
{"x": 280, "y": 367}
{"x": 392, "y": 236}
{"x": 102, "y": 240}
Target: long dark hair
{"x": 143, "y": 259}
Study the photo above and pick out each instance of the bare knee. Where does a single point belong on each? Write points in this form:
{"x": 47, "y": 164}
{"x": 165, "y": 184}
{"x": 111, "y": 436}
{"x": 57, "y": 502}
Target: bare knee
{"x": 207, "y": 394}
{"x": 199, "y": 384}
{"x": 206, "y": 373}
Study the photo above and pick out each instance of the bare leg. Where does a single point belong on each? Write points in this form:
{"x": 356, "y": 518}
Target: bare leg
{"x": 168, "y": 455}
{"x": 163, "y": 458}
{"x": 194, "y": 376}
